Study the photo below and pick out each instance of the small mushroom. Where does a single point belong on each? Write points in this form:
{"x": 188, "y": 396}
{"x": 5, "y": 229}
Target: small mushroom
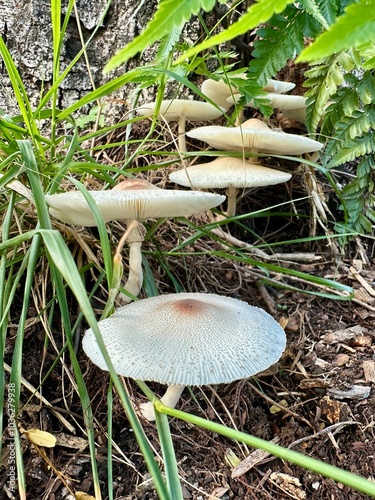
{"x": 132, "y": 200}
{"x": 187, "y": 339}
{"x": 292, "y": 106}
{"x": 254, "y": 136}
{"x": 229, "y": 173}
{"x": 222, "y": 94}
{"x": 181, "y": 110}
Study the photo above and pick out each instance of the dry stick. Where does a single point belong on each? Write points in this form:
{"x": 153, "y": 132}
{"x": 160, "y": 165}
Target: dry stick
{"x": 275, "y": 403}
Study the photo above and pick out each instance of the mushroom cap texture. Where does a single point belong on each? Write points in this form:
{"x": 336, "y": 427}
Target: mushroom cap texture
{"x": 72, "y": 207}
{"x": 227, "y": 172}
{"x": 254, "y": 135}
{"x": 188, "y": 339}
{"x": 174, "y": 109}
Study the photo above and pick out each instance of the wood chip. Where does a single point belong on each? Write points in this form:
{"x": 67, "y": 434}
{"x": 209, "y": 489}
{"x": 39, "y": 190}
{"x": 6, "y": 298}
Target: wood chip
{"x": 68, "y": 441}
{"x": 333, "y": 410}
{"x": 340, "y": 360}
{"x": 369, "y": 370}
{"x": 289, "y": 484}
{"x": 252, "y": 460}
{"x": 344, "y": 335}
{"x": 355, "y": 274}
{"x": 355, "y": 393}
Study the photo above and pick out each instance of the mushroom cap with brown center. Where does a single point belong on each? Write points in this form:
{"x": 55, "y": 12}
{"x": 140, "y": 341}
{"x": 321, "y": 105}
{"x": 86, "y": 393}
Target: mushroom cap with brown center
{"x": 188, "y": 339}
{"x": 227, "y": 172}
{"x": 254, "y": 135}
{"x": 140, "y": 202}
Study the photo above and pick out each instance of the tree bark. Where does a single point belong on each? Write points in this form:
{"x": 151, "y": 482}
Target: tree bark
{"x": 25, "y": 26}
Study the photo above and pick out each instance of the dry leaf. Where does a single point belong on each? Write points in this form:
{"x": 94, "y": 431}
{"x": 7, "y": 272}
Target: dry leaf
{"x": 81, "y": 495}
{"x": 41, "y": 438}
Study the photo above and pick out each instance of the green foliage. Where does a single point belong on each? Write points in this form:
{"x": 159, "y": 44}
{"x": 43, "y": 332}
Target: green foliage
{"x": 355, "y": 27}
{"x": 170, "y": 15}
{"x": 259, "y": 12}
{"x": 279, "y": 41}
{"x": 323, "y": 80}
{"x": 359, "y": 198}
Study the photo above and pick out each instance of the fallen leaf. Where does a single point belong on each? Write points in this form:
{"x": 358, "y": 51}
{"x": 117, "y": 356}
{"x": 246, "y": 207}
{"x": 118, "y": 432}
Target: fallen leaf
{"x": 41, "y": 438}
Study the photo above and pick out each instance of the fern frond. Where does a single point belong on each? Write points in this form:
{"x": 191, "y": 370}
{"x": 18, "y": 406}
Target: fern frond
{"x": 170, "y": 14}
{"x": 280, "y": 41}
{"x": 168, "y": 42}
{"x": 323, "y": 80}
{"x": 259, "y": 12}
{"x": 313, "y": 9}
{"x": 355, "y": 27}
{"x": 359, "y": 197}
{"x": 329, "y": 10}
{"x": 350, "y": 128}
{"x": 353, "y": 149}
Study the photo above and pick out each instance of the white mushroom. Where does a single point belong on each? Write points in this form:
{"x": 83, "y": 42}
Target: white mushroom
{"x": 292, "y": 106}
{"x": 221, "y": 93}
{"x": 254, "y": 136}
{"x": 131, "y": 200}
{"x": 229, "y": 173}
{"x": 180, "y": 110}
{"x": 187, "y": 339}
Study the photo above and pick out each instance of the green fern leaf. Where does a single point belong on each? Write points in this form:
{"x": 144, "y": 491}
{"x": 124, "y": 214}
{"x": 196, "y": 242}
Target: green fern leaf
{"x": 277, "y": 44}
{"x": 168, "y": 42}
{"x": 351, "y": 127}
{"x": 323, "y": 80}
{"x": 170, "y": 14}
{"x": 367, "y": 52}
{"x": 355, "y": 27}
{"x": 361, "y": 146}
{"x": 313, "y": 9}
{"x": 329, "y": 9}
{"x": 259, "y": 12}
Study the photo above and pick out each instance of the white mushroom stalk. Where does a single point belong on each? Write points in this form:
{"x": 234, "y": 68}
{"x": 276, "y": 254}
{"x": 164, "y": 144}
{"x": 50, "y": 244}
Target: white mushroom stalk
{"x": 181, "y": 110}
{"x": 132, "y": 200}
{"x": 187, "y": 339}
{"x": 230, "y": 173}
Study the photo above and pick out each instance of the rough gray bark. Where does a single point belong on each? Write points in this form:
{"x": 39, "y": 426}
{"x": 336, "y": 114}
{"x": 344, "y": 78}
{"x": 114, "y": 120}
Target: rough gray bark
{"x": 26, "y": 29}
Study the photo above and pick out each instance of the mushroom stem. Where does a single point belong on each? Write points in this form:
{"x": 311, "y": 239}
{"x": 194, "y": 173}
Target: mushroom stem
{"x": 231, "y": 193}
{"x": 134, "y": 282}
{"x": 170, "y": 398}
{"x": 181, "y": 134}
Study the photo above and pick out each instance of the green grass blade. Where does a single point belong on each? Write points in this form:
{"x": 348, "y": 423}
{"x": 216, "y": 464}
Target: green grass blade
{"x": 352, "y": 480}
{"x": 18, "y": 88}
{"x": 170, "y": 463}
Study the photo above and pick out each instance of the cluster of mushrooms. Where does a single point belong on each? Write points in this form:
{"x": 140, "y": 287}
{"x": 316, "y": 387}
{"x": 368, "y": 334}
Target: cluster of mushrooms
{"x": 186, "y": 338}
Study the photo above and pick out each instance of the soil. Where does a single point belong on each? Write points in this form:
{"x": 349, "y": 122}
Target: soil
{"x": 319, "y": 399}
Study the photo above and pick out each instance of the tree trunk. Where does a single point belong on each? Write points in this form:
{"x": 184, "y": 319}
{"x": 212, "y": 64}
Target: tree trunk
{"x": 26, "y": 29}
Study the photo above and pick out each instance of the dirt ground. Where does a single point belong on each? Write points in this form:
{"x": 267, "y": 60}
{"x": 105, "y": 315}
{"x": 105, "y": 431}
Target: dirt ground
{"x": 319, "y": 399}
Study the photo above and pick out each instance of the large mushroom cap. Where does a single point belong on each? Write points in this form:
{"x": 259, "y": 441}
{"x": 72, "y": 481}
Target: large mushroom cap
{"x": 188, "y": 339}
{"x": 227, "y": 172}
{"x": 174, "y": 109}
{"x": 254, "y": 135}
{"x": 139, "y": 204}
